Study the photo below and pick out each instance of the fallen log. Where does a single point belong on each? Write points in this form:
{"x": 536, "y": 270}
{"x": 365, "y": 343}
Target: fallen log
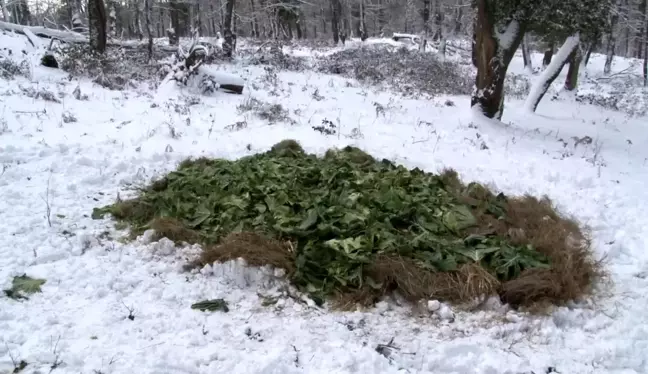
{"x": 71, "y": 37}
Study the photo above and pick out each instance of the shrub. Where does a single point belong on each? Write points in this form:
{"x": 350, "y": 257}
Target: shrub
{"x": 409, "y": 72}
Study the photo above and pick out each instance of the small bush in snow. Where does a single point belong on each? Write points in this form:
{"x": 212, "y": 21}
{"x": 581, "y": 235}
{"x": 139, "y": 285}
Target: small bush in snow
{"x": 409, "y": 72}
{"x": 68, "y": 117}
{"x": 275, "y": 57}
{"x": 327, "y": 127}
{"x": 516, "y": 86}
{"x": 113, "y": 70}
{"x": 10, "y": 68}
{"x": 40, "y": 94}
{"x": 272, "y": 113}
{"x": 4, "y": 126}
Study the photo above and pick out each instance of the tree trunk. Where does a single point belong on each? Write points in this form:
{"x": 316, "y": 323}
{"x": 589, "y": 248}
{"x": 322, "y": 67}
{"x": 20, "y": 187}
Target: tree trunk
{"x": 590, "y": 49}
{"x": 174, "y": 30}
{"x": 458, "y": 18}
{"x": 542, "y": 83}
{"x": 255, "y": 25}
{"x": 149, "y": 27}
{"x": 645, "y": 61}
{"x": 336, "y": 9}
{"x": 425, "y": 13}
{"x": 5, "y": 12}
{"x": 381, "y": 17}
{"x": 229, "y": 44}
{"x": 298, "y": 29}
{"x": 97, "y": 26}
{"x": 571, "y": 82}
{"x": 526, "y": 55}
{"x": 363, "y": 23}
{"x": 642, "y": 30}
{"x": 438, "y": 21}
{"x": 112, "y": 19}
{"x": 213, "y": 19}
{"x": 493, "y": 59}
{"x": 611, "y": 42}
{"x": 546, "y": 59}
{"x": 323, "y": 19}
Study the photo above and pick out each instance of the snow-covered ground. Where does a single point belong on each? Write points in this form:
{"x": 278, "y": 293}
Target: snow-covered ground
{"x": 80, "y": 322}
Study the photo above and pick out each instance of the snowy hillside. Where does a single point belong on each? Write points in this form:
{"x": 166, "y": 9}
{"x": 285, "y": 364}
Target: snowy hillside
{"x": 112, "y": 306}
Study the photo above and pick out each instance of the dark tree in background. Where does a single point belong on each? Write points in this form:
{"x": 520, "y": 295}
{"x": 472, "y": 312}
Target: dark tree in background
{"x": 500, "y": 26}
{"x": 230, "y": 39}
{"x": 97, "y": 25}
{"x": 336, "y": 13}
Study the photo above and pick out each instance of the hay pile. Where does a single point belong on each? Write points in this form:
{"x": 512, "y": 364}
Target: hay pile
{"x": 349, "y": 226}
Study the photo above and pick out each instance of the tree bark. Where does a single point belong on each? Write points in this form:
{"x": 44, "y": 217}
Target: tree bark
{"x": 575, "y": 58}
{"x": 642, "y": 30}
{"x": 425, "y": 13}
{"x": 611, "y": 41}
{"x": 363, "y": 23}
{"x": 97, "y": 26}
{"x": 493, "y": 59}
{"x": 5, "y": 12}
{"x": 149, "y": 28}
{"x": 336, "y": 10}
{"x": 112, "y": 19}
{"x": 438, "y": 21}
{"x": 174, "y": 33}
{"x": 229, "y": 43}
{"x": 645, "y": 61}
{"x": 526, "y": 55}
{"x": 542, "y": 84}
{"x": 458, "y": 17}
{"x": 546, "y": 59}
{"x": 255, "y": 25}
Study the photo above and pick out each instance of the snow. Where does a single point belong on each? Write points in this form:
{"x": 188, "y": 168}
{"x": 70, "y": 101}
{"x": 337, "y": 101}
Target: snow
{"x": 508, "y": 35}
{"x": 95, "y": 281}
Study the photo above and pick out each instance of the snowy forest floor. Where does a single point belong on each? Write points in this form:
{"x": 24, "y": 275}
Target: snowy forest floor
{"x": 113, "y": 307}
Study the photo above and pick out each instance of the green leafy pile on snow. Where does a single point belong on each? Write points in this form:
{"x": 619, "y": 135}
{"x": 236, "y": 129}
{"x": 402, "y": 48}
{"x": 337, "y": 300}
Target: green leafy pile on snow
{"x": 341, "y": 212}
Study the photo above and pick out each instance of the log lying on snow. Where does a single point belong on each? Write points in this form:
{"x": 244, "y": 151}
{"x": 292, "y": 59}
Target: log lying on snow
{"x": 228, "y": 82}
{"x": 72, "y": 37}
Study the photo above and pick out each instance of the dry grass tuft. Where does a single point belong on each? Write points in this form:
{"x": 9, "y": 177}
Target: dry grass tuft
{"x": 573, "y": 269}
{"x": 256, "y": 249}
{"x": 414, "y": 283}
{"x": 173, "y": 230}
{"x": 528, "y": 220}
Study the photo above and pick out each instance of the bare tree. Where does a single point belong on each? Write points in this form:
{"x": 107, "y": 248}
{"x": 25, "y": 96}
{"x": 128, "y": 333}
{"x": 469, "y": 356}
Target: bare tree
{"x": 611, "y": 39}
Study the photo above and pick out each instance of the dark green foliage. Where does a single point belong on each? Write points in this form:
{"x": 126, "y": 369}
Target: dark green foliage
{"x": 214, "y": 305}
{"x": 559, "y": 18}
{"x": 23, "y": 285}
{"x": 341, "y": 211}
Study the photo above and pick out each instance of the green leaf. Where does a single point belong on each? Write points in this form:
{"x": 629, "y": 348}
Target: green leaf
{"x": 310, "y": 220}
{"x": 202, "y": 214}
{"x": 211, "y": 305}
{"x": 459, "y": 218}
{"x": 478, "y": 254}
{"x": 22, "y": 285}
